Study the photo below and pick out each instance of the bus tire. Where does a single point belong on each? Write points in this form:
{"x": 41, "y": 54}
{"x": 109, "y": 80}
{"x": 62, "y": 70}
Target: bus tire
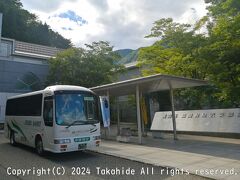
{"x": 39, "y": 146}
{"x": 12, "y": 138}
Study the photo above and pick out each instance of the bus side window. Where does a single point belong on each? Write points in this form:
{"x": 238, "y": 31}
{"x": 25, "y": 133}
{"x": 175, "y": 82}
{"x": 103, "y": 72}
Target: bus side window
{"x": 48, "y": 111}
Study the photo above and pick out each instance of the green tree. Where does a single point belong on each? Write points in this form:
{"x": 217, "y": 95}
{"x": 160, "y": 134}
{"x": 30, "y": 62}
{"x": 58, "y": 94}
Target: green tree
{"x": 177, "y": 51}
{"x": 223, "y": 24}
{"x": 92, "y": 66}
{"x": 22, "y": 25}
{"x": 182, "y": 50}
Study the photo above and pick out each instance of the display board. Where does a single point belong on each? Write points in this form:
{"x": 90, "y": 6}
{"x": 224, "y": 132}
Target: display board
{"x": 214, "y": 120}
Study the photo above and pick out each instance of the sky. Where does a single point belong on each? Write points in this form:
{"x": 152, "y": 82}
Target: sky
{"x": 124, "y": 23}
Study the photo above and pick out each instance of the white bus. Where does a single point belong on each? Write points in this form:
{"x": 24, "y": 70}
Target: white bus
{"x": 58, "y": 119}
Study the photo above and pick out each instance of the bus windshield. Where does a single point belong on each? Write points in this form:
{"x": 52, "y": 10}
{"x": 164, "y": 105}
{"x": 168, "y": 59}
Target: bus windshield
{"x": 76, "y": 109}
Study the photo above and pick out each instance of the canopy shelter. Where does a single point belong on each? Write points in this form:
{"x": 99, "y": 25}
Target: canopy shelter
{"x": 148, "y": 84}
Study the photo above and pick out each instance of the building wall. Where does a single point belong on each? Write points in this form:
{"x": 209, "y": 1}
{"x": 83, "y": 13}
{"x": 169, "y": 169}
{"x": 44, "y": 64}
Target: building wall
{"x": 16, "y": 76}
{"x": 130, "y": 73}
{"x": 19, "y": 73}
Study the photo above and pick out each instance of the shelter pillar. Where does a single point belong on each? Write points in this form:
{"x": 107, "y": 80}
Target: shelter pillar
{"x": 138, "y": 115}
{"x": 173, "y": 111}
{"x": 108, "y": 96}
{"x": 118, "y": 117}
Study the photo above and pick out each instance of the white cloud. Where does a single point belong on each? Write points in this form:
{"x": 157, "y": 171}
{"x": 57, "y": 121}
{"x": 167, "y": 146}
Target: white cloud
{"x": 123, "y": 23}
{"x": 43, "y": 5}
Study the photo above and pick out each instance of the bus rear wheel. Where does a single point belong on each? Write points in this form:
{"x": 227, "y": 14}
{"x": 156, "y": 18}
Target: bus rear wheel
{"x": 39, "y": 146}
{"x": 12, "y": 138}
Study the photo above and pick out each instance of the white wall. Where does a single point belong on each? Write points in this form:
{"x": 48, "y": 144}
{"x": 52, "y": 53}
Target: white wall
{"x": 213, "y": 120}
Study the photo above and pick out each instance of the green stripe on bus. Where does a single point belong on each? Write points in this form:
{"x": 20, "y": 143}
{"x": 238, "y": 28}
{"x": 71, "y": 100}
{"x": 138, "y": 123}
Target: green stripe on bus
{"x": 19, "y": 129}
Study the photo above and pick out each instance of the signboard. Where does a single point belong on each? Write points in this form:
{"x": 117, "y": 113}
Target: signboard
{"x": 105, "y": 110}
{"x": 214, "y": 120}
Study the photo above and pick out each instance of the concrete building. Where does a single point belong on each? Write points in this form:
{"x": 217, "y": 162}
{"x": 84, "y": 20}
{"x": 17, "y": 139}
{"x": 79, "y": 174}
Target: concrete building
{"x": 133, "y": 71}
{"x": 23, "y": 68}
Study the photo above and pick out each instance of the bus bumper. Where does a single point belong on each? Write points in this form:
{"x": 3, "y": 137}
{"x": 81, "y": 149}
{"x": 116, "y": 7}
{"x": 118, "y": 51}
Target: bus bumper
{"x": 70, "y": 147}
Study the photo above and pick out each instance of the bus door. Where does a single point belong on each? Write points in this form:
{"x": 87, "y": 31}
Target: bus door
{"x": 48, "y": 121}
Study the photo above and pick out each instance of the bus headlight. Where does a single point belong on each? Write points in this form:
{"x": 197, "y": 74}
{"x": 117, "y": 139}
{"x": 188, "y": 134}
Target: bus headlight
{"x": 62, "y": 141}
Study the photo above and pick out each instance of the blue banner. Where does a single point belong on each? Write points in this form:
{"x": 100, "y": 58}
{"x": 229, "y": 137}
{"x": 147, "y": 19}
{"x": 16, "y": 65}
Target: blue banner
{"x": 105, "y": 108}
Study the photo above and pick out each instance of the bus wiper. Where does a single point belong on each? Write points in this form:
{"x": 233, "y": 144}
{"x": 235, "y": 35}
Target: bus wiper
{"x": 83, "y": 122}
{"x": 92, "y": 122}
{"x": 74, "y": 122}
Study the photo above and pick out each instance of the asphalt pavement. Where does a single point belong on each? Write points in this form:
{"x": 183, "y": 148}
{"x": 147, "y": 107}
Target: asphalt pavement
{"x": 23, "y": 163}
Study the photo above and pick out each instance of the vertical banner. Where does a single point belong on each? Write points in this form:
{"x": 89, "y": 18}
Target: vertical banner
{"x": 105, "y": 108}
{"x": 144, "y": 111}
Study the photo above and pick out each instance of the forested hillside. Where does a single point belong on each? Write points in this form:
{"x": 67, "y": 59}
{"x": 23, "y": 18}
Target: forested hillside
{"x": 22, "y": 25}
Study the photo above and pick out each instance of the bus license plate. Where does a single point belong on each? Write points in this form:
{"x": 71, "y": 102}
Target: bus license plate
{"x": 82, "y": 146}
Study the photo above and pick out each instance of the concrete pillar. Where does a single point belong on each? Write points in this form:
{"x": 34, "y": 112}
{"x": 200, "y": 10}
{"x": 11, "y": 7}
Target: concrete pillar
{"x": 118, "y": 117}
{"x": 109, "y": 110}
{"x": 142, "y": 123}
{"x": 173, "y": 111}
{"x": 138, "y": 115}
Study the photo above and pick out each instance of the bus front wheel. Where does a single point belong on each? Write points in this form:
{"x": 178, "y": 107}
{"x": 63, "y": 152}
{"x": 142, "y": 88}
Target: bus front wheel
{"x": 39, "y": 146}
{"x": 12, "y": 138}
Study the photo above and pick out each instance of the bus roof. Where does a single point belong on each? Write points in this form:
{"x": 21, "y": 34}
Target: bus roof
{"x": 67, "y": 88}
{"x": 53, "y": 89}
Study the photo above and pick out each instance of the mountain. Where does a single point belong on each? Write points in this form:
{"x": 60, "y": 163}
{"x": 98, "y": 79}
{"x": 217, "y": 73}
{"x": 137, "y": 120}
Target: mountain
{"x": 127, "y": 55}
{"x": 124, "y": 52}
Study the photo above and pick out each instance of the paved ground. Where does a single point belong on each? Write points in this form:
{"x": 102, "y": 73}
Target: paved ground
{"x": 217, "y": 158}
{"x": 14, "y": 159}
